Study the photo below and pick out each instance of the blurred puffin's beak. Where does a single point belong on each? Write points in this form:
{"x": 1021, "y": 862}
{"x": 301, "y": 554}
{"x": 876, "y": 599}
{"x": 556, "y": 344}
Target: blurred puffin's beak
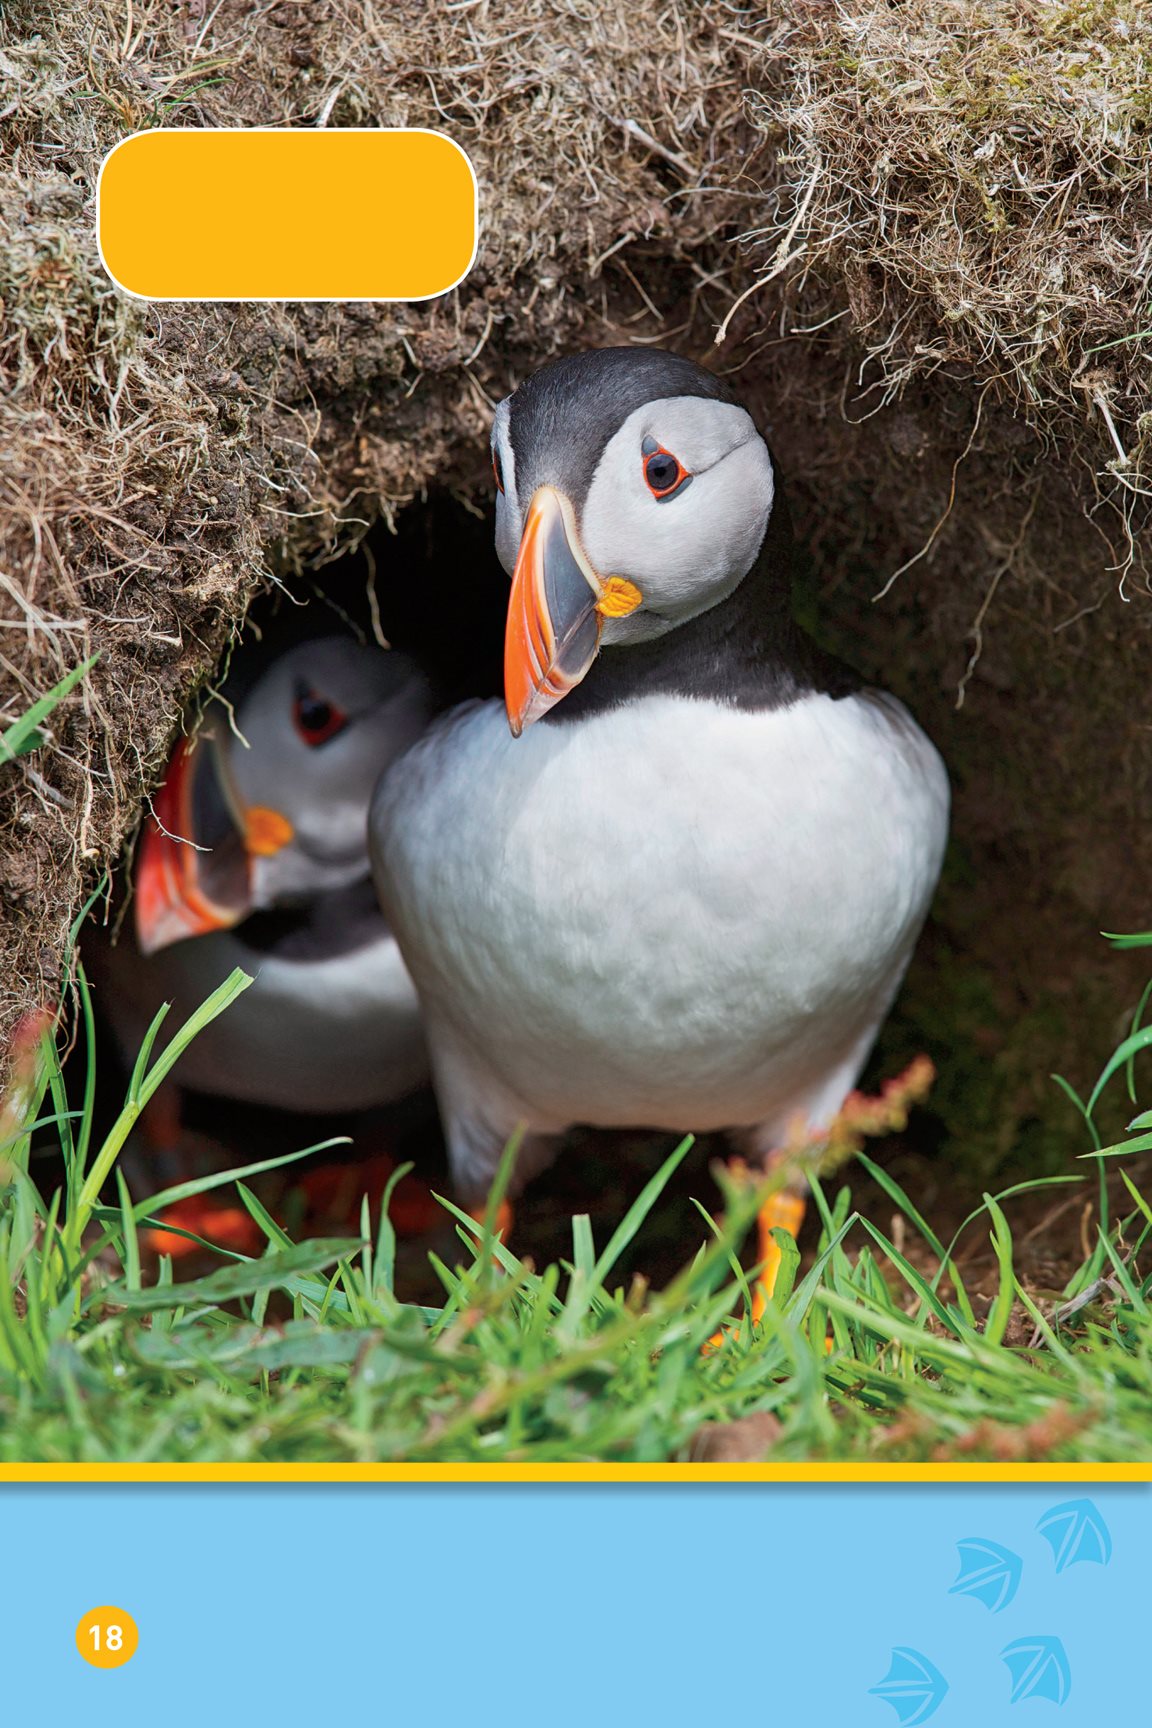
{"x": 182, "y": 891}
{"x": 555, "y": 611}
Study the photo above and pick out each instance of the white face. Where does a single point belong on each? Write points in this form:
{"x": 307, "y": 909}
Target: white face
{"x": 685, "y": 552}
{"x": 371, "y": 704}
{"x": 509, "y": 512}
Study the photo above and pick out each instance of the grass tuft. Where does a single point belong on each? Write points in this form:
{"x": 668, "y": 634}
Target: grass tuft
{"x": 306, "y": 1352}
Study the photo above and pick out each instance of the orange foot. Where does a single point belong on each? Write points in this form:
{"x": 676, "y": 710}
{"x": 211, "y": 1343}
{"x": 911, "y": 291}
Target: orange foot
{"x": 224, "y": 1226}
{"x": 781, "y": 1211}
{"x": 503, "y": 1222}
{"x": 333, "y": 1193}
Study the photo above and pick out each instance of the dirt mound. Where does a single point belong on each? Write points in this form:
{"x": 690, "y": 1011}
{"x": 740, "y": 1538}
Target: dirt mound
{"x": 157, "y": 462}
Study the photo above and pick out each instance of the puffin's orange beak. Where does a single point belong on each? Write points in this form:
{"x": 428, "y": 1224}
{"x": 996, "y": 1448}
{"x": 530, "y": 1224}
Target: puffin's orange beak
{"x": 182, "y": 889}
{"x": 555, "y": 611}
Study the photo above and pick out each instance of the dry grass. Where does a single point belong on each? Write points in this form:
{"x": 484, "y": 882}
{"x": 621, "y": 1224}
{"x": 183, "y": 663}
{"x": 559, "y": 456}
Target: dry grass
{"x": 115, "y": 524}
{"x": 950, "y": 327}
{"x": 153, "y": 461}
{"x": 977, "y": 178}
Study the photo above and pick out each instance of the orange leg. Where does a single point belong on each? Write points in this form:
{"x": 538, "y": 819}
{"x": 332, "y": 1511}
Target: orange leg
{"x": 782, "y": 1211}
{"x": 226, "y": 1226}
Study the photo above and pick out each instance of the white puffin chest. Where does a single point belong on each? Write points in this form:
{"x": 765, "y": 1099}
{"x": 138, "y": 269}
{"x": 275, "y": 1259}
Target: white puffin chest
{"x": 674, "y": 913}
{"x": 341, "y": 1033}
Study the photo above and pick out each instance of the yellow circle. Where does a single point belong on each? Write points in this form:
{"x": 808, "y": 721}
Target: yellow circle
{"x": 107, "y": 1637}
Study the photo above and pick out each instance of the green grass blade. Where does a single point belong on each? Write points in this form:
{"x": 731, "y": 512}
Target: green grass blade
{"x": 895, "y": 1193}
{"x": 632, "y": 1220}
{"x": 244, "y": 1279}
{"x": 1001, "y": 1310}
{"x": 143, "y": 1089}
{"x": 130, "y": 1250}
{"x": 1120, "y": 1058}
{"x": 24, "y": 734}
{"x": 385, "y": 1257}
{"x": 221, "y": 998}
{"x": 913, "y": 1278}
{"x": 278, "y": 1237}
{"x": 88, "y": 1106}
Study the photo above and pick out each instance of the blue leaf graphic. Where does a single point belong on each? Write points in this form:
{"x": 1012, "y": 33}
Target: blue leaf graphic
{"x": 1076, "y": 1532}
{"x": 912, "y": 1686}
{"x": 1039, "y": 1669}
{"x": 988, "y": 1572}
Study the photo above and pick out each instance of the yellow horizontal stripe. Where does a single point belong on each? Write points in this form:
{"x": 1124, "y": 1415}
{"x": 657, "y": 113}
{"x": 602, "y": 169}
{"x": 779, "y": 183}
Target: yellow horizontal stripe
{"x": 497, "y": 1473}
{"x": 261, "y": 214}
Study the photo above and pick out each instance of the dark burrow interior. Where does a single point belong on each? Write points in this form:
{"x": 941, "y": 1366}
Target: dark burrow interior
{"x": 432, "y": 586}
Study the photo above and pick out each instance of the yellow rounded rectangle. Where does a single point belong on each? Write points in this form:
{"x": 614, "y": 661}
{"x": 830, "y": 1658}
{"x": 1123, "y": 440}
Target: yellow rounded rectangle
{"x": 286, "y": 215}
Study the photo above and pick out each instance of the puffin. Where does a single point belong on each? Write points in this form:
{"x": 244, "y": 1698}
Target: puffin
{"x": 674, "y": 879}
{"x": 256, "y": 855}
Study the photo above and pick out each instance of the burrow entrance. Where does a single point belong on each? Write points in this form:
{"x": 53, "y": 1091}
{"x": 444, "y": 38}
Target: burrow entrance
{"x": 430, "y": 585}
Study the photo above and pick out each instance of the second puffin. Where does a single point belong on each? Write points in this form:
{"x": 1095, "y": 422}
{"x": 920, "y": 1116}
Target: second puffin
{"x": 677, "y": 886}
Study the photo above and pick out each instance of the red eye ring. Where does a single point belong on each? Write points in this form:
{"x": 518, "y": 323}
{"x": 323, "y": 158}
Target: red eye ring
{"x": 315, "y": 718}
{"x": 662, "y": 481}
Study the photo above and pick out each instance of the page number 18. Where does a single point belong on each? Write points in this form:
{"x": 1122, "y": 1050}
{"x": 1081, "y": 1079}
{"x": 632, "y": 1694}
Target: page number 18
{"x": 107, "y": 1637}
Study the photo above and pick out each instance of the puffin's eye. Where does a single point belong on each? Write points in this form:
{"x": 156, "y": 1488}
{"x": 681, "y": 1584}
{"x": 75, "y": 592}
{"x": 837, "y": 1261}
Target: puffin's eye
{"x": 498, "y": 472}
{"x": 316, "y": 719}
{"x": 663, "y": 472}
